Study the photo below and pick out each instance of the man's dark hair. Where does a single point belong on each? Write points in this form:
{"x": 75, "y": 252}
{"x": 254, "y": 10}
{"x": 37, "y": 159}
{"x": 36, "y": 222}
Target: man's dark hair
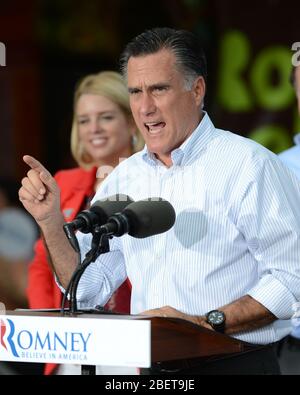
{"x": 190, "y": 57}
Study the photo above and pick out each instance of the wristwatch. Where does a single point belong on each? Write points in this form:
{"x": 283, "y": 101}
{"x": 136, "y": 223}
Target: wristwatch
{"x": 216, "y": 319}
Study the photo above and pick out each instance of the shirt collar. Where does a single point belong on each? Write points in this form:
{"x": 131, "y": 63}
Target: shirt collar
{"x": 190, "y": 148}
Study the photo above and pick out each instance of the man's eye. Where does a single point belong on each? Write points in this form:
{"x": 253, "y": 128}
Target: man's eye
{"x": 134, "y": 92}
{"x": 160, "y": 88}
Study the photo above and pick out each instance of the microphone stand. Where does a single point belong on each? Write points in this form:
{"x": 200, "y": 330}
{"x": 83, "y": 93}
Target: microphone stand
{"x": 100, "y": 245}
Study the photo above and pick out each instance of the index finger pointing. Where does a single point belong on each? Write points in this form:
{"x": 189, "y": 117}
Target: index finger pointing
{"x": 44, "y": 174}
{"x": 34, "y": 163}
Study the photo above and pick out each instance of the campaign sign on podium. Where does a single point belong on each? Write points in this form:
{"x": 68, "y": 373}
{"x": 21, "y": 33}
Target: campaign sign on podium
{"x": 79, "y": 340}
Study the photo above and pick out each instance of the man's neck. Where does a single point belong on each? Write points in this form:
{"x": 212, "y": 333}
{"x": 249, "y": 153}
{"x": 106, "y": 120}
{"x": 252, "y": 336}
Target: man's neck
{"x": 165, "y": 159}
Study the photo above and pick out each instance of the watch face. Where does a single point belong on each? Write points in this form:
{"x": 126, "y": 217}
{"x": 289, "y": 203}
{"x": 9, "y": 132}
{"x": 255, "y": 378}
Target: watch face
{"x": 216, "y": 317}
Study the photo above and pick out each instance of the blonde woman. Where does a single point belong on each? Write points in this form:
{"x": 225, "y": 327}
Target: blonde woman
{"x": 103, "y": 132}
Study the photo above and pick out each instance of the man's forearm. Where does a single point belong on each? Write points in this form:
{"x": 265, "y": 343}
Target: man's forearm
{"x": 63, "y": 258}
{"x": 246, "y": 314}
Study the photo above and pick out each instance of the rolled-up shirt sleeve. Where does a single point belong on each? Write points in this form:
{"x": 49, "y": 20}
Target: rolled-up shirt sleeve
{"x": 269, "y": 219}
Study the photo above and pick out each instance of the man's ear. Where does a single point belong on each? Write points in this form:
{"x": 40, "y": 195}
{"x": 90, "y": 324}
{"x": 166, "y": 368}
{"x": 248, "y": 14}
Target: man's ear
{"x": 199, "y": 88}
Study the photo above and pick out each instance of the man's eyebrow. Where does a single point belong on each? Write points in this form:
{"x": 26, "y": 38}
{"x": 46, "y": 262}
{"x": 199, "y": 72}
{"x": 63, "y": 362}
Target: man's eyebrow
{"x": 150, "y": 87}
{"x": 160, "y": 85}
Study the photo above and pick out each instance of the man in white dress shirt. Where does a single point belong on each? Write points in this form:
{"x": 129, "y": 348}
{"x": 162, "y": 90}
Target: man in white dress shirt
{"x": 231, "y": 261}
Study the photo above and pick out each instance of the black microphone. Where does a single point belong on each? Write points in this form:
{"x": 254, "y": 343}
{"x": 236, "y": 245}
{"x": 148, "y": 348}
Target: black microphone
{"x": 99, "y": 212}
{"x": 142, "y": 219}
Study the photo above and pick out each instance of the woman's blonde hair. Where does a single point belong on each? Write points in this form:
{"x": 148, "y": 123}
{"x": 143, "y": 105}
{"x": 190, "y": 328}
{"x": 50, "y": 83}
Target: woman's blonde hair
{"x": 109, "y": 84}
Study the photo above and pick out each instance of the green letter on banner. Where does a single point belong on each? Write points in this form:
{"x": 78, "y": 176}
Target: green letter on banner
{"x": 269, "y": 95}
{"x": 235, "y": 53}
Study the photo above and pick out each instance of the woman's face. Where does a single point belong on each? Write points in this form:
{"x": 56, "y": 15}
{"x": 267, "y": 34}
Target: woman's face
{"x": 104, "y": 129}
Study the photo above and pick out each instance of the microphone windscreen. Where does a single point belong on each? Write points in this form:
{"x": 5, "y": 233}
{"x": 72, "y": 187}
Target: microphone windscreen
{"x": 106, "y": 207}
{"x": 149, "y": 217}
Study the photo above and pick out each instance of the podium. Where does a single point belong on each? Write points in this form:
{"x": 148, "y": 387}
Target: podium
{"x": 115, "y": 340}
{"x": 174, "y": 339}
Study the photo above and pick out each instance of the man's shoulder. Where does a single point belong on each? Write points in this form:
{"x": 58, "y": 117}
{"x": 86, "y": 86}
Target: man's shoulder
{"x": 122, "y": 176}
{"x": 241, "y": 147}
{"x": 132, "y": 160}
{"x": 130, "y": 163}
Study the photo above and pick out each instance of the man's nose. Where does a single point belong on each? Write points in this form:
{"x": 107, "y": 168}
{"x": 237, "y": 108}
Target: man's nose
{"x": 148, "y": 105}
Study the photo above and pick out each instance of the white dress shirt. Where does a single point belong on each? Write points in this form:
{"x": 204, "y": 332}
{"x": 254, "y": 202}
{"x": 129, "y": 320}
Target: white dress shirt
{"x": 237, "y": 232}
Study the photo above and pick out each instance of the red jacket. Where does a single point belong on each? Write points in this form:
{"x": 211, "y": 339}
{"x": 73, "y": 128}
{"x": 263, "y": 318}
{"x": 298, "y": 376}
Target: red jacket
{"x": 75, "y": 185}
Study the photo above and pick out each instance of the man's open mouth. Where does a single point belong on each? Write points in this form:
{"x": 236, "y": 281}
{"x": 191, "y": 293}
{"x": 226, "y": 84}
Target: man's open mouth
{"x": 155, "y": 127}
